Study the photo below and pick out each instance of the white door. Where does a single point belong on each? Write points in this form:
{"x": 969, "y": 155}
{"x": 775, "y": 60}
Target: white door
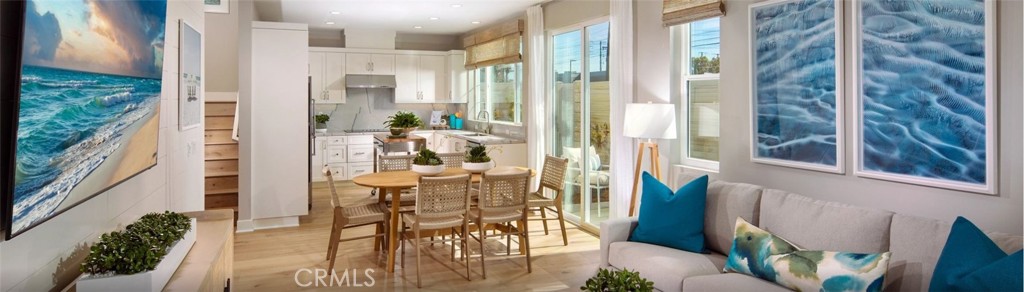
{"x": 358, "y": 63}
{"x": 334, "y": 77}
{"x": 458, "y": 77}
{"x": 316, "y": 74}
{"x": 382, "y": 64}
{"x": 406, "y": 84}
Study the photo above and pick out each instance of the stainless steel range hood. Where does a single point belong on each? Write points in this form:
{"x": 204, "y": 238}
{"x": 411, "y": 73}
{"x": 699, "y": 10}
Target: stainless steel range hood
{"x": 369, "y": 81}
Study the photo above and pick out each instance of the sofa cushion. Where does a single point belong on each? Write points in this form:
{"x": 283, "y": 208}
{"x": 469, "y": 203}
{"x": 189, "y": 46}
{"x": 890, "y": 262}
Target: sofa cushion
{"x": 820, "y": 225}
{"x": 666, "y": 267}
{"x": 916, "y": 243}
{"x": 759, "y": 253}
{"x": 970, "y": 261}
{"x": 730, "y": 282}
{"x": 669, "y": 219}
{"x": 725, "y": 202}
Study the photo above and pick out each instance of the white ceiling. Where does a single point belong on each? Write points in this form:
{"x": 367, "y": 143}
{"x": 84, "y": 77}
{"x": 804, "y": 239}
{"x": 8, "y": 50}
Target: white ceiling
{"x": 398, "y": 15}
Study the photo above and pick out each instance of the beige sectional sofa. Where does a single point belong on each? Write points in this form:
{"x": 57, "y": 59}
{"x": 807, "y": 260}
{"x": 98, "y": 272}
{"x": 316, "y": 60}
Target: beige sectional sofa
{"x": 811, "y": 224}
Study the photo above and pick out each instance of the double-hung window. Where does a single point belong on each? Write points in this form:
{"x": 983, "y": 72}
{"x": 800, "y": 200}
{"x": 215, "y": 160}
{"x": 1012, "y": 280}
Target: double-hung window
{"x": 698, "y": 63}
{"x": 499, "y": 93}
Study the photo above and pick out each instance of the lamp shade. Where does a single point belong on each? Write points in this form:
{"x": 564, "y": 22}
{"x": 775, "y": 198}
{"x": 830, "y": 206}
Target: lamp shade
{"x": 650, "y": 121}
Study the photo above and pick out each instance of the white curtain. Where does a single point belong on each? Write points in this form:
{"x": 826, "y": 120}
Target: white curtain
{"x": 535, "y": 87}
{"x": 621, "y": 88}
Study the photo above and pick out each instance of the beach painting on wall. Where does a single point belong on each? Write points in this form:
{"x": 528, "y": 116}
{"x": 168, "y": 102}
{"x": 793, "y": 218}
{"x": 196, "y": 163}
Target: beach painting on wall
{"x": 796, "y": 91}
{"x": 89, "y": 102}
{"x": 925, "y": 92}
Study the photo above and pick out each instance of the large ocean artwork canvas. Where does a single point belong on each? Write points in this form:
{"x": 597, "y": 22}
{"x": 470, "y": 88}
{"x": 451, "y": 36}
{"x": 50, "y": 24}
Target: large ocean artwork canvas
{"x": 796, "y": 91}
{"x": 925, "y": 105}
{"x": 89, "y": 103}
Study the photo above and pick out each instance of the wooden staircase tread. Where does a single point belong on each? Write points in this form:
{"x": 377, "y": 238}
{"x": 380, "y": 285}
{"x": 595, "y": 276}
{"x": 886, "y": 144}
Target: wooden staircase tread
{"x": 222, "y": 143}
{"x": 222, "y": 192}
{"x": 210, "y": 158}
{"x": 221, "y": 173}
{"x": 219, "y": 128}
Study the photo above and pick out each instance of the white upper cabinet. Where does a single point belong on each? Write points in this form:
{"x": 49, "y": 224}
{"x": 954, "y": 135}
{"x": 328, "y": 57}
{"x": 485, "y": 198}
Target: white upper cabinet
{"x": 327, "y": 74}
{"x": 460, "y": 86}
{"x": 420, "y": 78}
{"x": 370, "y": 64}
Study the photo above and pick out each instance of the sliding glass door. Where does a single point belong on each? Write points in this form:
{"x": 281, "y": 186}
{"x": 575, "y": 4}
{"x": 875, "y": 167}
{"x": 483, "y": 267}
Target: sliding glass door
{"x": 580, "y": 118}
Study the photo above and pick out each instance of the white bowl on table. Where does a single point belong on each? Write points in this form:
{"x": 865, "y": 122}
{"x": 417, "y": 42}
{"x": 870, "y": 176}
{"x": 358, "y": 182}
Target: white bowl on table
{"x": 427, "y": 169}
{"x": 477, "y": 167}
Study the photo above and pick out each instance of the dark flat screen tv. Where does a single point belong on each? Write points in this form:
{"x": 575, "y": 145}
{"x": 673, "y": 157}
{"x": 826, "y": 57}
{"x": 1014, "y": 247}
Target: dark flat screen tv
{"x": 88, "y": 108}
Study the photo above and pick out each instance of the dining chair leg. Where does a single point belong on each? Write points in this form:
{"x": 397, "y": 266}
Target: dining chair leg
{"x": 561, "y": 222}
{"x": 483, "y": 252}
{"x": 526, "y": 242}
{"x": 376, "y": 239}
{"x": 544, "y": 219}
{"x": 419, "y": 251}
{"x": 508, "y": 238}
{"x": 330, "y": 240}
{"x": 452, "y": 254}
{"x": 465, "y": 247}
{"x": 401, "y": 242}
{"x": 336, "y": 239}
{"x": 519, "y": 232}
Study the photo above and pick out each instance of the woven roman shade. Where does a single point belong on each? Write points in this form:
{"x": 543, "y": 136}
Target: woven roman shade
{"x": 684, "y": 11}
{"x": 498, "y": 44}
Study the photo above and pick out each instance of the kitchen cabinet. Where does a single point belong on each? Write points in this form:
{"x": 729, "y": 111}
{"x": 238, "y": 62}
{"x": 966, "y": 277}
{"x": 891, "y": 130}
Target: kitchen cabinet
{"x": 460, "y": 80}
{"x": 420, "y": 78}
{"x": 327, "y": 77}
{"x": 346, "y": 156}
{"x": 317, "y": 158}
{"x": 450, "y": 144}
{"x": 369, "y": 64}
{"x": 429, "y": 136}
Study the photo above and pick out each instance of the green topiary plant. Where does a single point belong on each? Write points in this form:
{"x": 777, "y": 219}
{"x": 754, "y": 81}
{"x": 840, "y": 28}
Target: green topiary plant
{"x": 478, "y": 154}
{"x": 624, "y": 280}
{"x": 402, "y": 120}
{"x": 427, "y": 157}
{"x": 322, "y": 118}
{"x": 139, "y": 247}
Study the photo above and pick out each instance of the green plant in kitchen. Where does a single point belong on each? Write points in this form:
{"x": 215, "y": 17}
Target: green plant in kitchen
{"x": 321, "y": 120}
{"x": 403, "y": 120}
{"x": 427, "y": 157}
{"x": 624, "y": 280}
{"x": 478, "y": 154}
{"x": 139, "y": 247}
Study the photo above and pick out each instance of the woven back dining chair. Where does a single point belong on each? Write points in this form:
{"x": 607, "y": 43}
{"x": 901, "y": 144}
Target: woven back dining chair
{"x": 360, "y": 214}
{"x": 552, "y": 178}
{"x": 452, "y": 160}
{"x": 442, "y": 203}
{"x": 388, "y": 163}
{"x": 501, "y": 201}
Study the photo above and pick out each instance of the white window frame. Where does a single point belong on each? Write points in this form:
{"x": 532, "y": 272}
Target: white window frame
{"x": 681, "y": 75}
{"x": 473, "y": 106}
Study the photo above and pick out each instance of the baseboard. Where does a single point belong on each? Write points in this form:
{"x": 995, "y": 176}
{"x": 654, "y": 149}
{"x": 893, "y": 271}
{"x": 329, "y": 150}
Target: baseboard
{"x": 243, "y": 226}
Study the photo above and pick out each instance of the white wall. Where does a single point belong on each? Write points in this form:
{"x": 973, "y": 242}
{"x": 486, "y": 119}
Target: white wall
{"x": 49, "y": 255}
{"x": 222, "y": 50}
{"x": 998, "y": 213}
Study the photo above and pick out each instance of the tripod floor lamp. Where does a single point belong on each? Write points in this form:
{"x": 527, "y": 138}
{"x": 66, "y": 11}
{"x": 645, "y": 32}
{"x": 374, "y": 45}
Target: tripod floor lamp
{"x": 648, "y": 121}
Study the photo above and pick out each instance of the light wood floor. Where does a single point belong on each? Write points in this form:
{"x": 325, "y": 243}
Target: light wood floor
{"x": 270, "y": 260}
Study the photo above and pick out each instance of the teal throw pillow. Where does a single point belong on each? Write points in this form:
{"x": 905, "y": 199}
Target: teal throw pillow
{"x": 672, "y": 220}
{"x": 970, "y": 261}
{"x": 758, "y": 253}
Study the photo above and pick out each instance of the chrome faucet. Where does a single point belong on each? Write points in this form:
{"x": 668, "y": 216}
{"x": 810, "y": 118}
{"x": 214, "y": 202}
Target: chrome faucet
{"x": 488, "y": 119}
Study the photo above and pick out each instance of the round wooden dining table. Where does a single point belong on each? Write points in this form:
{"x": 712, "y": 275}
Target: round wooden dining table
{"x": 393, "y": 182}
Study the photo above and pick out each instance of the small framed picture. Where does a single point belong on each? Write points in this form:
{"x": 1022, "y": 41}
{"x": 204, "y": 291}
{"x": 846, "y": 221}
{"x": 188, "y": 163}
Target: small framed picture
{"x": 216, "y": 6}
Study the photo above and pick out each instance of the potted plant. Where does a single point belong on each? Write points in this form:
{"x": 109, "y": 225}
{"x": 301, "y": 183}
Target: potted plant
{"x": 477, "y": 160}
{"x": 427, "y": 163}
{"x": 403, "y": 122}
{"x": 321, "y": 122}
{"x": 142, "y": 257}
{"x": 624, "y": 280}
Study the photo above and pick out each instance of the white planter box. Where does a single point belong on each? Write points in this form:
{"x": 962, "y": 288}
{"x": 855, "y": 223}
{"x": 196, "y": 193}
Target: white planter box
{"x": 154, "y": 280}
{"x": 477, "y": 167}
{"x": 427, "y": 170}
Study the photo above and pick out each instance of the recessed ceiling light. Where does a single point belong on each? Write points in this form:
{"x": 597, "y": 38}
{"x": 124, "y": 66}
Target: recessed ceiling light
{"x": 335, "y": 12}
{"x": 475, "y": 22}
{"x": 434, "y": 18}
{"x": 456, "y": 5}
{"x": 329, "y": 23}
{"x": 417, "y": 27}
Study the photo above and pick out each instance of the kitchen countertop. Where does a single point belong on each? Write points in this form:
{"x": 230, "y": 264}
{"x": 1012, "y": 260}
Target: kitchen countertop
{"x": 343, "y": 133}
{"x": 487, "y": 139}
